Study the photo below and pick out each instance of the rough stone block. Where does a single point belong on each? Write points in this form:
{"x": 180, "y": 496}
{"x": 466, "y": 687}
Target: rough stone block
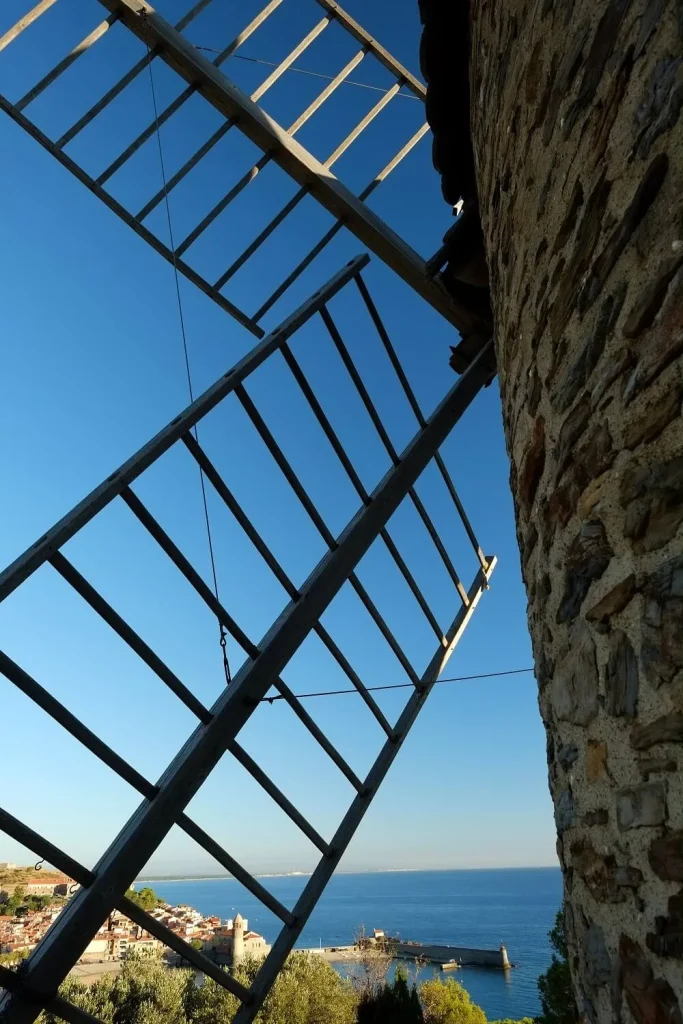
{"x": 590, "y": 352}
{"x": 665, "y": 729}
{"x": 567, "y": 755}
{"x": 655, "y": 765}
{"x": 598, "y": 966}
{"x": 596, "y": 761}
{"x": 570, "y": 432}
{"x": 628, "y": 876}
{"x": 588, "y": 556}
{"x": 653, "y": 499}
{"x": 633, "y": 214}
{"x": 667, "y": 938}
{"x": 651, "y": 1000}
{"x": 641, "y": 806}
{"x": 666, "y": 856}
{"x": 565, "y": 813}
{"x": 574, "y": 687}
{"x": 672, "y": 633}
{"x": 614, "y": 601}
{"x": 651, "y": 298}
{"x": 594, "y": 492}
{"x": 662, "y": 344}
{"x": 532, "y": 465}
{"x": 603, "y": 43}
{"x": 597, "y": 817}
{"x": 598, "y": 872}
{"x": 649, "y": 418}
{"x": 666, "y": 582}
{"x": 611, "y": 372}
{"x": 621, "y": 676}
{"x": 662, "y": 99}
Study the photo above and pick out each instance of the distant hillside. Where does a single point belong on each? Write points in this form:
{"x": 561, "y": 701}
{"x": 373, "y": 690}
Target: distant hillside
{"x": 20, "y": 876}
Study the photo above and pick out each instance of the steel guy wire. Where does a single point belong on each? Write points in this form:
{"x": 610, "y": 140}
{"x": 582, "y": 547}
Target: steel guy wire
{"x": 400, "y": 686}
{"x": 221, "y": 628}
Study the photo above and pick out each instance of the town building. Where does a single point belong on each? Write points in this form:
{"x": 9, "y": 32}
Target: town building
{"x": 55, "y": 885}
{"x": 233, "y": 941}
{"x": 119, "y": 937}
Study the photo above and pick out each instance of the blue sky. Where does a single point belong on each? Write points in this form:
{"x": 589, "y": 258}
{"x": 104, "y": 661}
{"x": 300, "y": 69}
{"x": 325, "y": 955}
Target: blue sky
{"x": 93, "y": 354}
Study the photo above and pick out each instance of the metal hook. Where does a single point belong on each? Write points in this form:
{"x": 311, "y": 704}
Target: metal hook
{"x": 73, "y": 888}
{"x": 39, "y": 865}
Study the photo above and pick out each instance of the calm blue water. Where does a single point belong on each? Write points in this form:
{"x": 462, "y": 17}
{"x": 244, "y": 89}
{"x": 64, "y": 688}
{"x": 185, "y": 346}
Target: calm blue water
{"x": 468, "y": 908}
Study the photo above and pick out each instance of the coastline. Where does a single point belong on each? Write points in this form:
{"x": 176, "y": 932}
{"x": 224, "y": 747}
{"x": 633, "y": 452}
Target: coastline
{"x": 480, "y": 907}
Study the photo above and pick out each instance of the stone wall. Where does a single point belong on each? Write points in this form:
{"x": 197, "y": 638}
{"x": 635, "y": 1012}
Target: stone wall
{"x": 576, "y": 119}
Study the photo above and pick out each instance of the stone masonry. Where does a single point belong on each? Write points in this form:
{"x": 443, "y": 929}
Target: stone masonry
{"x": 576, "y": 123}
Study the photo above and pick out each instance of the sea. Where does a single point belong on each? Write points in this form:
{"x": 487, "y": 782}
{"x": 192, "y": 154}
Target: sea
{"x": 481, "y": 908}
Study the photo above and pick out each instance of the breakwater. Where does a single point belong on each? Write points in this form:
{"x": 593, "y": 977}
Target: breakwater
{"x": 450, "y": 956}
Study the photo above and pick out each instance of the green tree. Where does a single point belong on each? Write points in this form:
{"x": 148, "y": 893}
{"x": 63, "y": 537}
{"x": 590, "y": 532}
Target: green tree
{"x": 94, "y": 999}
{"x": 147, "y": 899}
{"x": 14, "y": 903}
{"x": 145, "y": 982}
{"x": 394, "y": 1002}
{"x": 507, "y": 1020}
{"x": 447, "y": 1002}
{"x": 19, "y": 903}
{"x": 15, "y": 957}
{"x": 555, "y": 986}
{"x": 523, "y": 1020}
{"x": 307, "y": 991}
{"x": 208, "y": 1004}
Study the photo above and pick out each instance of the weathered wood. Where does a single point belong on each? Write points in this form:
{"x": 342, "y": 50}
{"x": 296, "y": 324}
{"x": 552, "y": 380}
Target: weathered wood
{"x": 12, "y": 33}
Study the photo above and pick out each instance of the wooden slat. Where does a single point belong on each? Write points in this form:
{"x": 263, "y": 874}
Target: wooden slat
{"x": 297, "y": 161}
{"x": 336, "y": 228}
{"x": 129, "y": 219}
{"x": 115, "y": 90}
{"x": 362, "y": 125}
{"x": 258, "y": 166}
{"x": 187, "y": 93}
{"x": 67, "y": 61}
{"x": 296, "y": 199}
{"x": 23, "y": 23}
{"x": 382, "y": 55}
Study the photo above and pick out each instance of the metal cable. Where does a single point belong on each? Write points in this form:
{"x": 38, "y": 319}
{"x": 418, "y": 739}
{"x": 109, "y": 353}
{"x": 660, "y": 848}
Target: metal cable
{"x": 401, "y": 686}
{"x": 304, "y": 71}
{"x": 222, "y": 632}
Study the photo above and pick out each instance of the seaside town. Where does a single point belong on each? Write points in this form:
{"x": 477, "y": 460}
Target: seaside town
{"x": 29, "y": 906}
{"x": 34, "y": 903}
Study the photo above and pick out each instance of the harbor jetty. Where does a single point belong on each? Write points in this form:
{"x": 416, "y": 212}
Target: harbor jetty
{"x": 449, "y": 957}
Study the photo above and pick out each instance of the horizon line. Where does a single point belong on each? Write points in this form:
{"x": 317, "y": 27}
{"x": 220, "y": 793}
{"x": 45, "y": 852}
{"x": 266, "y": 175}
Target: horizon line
{"x": 157, "y": 877}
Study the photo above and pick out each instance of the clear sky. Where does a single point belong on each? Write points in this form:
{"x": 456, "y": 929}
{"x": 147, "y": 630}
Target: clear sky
{"x": 93, "y": 366}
